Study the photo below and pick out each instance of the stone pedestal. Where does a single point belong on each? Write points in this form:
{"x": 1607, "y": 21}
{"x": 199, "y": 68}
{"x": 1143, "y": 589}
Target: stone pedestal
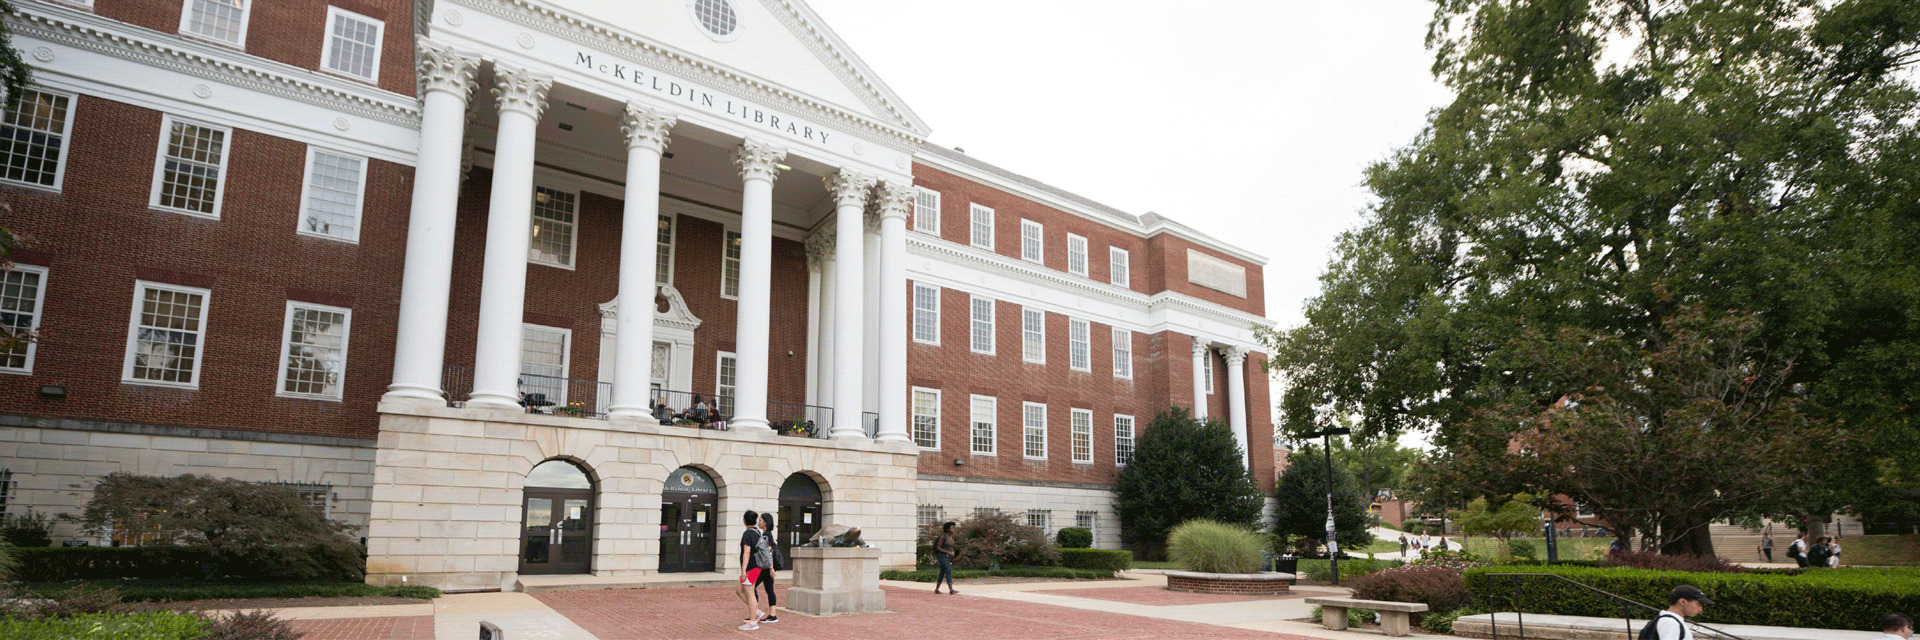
{"x": 830, "y": 581}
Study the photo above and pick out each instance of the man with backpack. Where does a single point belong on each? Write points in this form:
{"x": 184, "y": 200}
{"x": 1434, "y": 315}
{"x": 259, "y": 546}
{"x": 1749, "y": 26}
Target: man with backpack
{"x": 1687, "y": 601}
{"x": 1798, "y": 549}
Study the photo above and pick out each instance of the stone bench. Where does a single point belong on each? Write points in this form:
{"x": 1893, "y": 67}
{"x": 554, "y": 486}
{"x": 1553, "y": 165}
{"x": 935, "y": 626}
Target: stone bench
{"x": 1396, "y": 618}
{"x": 1540, "y": 626}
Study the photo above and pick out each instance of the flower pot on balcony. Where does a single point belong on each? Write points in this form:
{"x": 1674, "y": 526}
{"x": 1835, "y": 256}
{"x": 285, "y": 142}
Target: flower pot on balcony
{"x": 836, "y": 581}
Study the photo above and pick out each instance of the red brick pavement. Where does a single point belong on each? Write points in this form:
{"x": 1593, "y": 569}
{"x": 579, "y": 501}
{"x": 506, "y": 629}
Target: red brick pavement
{"x": 714, "y": 612}
{"x": 393, "y": 628}
{"x": 1160, "y": 597}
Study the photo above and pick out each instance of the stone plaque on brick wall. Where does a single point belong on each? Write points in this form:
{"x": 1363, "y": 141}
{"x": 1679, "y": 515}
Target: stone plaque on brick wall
{"x": 1214, "y": 273}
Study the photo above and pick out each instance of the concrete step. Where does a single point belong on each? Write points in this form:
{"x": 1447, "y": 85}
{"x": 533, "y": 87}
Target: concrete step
{"x": 1548, "y": 627}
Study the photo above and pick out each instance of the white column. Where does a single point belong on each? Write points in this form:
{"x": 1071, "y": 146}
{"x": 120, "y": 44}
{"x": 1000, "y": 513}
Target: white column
{"x": 849, "y": 190}
{"x": 816, "y": 264}
{"x": 1200, "y": 356}
{"x": 446, "y": 78}
{"x": 758, "y": 162}
{"x": 1237, "y": 398}
{"x": 646, "y": 130}
{"x": 896, "y": 197}
{"x": 829, "y": 267}
{"x": 522, "y": 94}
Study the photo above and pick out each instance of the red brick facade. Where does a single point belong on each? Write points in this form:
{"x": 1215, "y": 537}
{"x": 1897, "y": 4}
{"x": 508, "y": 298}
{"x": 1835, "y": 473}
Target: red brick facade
{"x": 293, "y": 32}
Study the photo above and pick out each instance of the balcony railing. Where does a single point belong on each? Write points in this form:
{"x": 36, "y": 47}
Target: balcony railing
{"x": 590, "y": 399}
{"x": 540, "y": 394}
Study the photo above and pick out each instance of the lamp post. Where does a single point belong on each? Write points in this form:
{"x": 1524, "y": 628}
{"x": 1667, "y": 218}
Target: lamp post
{"x": 1333, "y": 548}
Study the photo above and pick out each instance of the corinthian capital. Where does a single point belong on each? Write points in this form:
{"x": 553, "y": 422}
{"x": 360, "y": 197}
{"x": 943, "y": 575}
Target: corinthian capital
{"x": 849, "y": 188}
{"x": 647, "y": 127}
{"x": 758, "y": 160}
{"x": 520, "y": 89}
{"x": 440, "y": 68}
{"x": 1200, "y": 347}
{"x": 1236, "y": 355}
{"x": 895, "y": 199}
{"x": 819, "y": 249}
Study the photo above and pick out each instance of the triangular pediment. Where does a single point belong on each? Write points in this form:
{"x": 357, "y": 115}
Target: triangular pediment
{"x": 781, "y": 42}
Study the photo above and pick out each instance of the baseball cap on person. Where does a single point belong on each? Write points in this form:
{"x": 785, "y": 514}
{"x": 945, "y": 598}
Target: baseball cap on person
{"x": 1688, "y": 592}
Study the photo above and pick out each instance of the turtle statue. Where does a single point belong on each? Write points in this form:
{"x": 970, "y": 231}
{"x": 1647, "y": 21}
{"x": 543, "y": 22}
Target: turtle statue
{"x": 836, "y": 535}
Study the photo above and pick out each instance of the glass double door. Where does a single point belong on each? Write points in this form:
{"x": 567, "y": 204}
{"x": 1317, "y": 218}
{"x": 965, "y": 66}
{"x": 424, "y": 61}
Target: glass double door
{"x": 556, "y": 532}
{"x": 799, "y": 519}
{"x": 686, "y": 532}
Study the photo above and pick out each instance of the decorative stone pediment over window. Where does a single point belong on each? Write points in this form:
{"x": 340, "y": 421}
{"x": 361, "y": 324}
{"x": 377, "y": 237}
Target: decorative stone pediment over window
{"x": 677, "y": 316}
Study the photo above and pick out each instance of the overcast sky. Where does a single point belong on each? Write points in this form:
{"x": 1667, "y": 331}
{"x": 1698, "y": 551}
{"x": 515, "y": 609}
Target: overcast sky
{"x": 1248, "y": 120}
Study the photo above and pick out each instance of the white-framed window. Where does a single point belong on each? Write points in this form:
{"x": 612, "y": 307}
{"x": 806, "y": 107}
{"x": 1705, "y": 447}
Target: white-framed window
{"x": 313, "y": 354}
{"x": 23, "y": 292}
{"x": 555, "y": 213}
{"x": 983, "y": 424}
{"x": 1080, "y": 423}
{"x": 1119, "y": 267}
{"x": 33, "y": 139}
{"x": 726, "y": 380}
{"x": 222, "y": 21}
{"x": 353, "y": 44}
{"x": 926, "y": 313}
{"x": 983, "y": 511}
{"x": 543, "y": 364}
{"x": 730, "y": 266}
{"x": 1079, "y": 351}
{"x": 927, "y": 514}
{"x": 1122, "y": 439}
{"x": 331, "y": 198}
{"x": 1122, "y": 353}
{"x": 1206, "y": 370}
{"x": 982, "y": 325}
{"x": 663, "y": 258}
{"x": 1089, "y": 520}
{"x": 926, "y": 417}
{"x": 318, "y": 496}
{"x": 188, "y": 174}
{"x": 926, "y": 211}
{"x": 166, "y": 335}
{"x": 1033, "y": 432}
{"x": 982, "y": 226}
{"x": 1031, "y": 249}
{"x": 1076, "y": 255}
{"x": 1033, "y": 335}
{"x": 1038, "y": 518}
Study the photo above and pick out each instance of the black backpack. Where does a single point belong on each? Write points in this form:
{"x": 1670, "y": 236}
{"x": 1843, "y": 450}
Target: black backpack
{"x": 1649, "y": 633}
{"x": 1793, "y": 549}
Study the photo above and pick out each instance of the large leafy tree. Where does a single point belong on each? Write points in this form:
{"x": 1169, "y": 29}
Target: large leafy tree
{"x": 1183, "y": 469}
{"x": 238, "y": 522}
{"x": 1301, "y": 495}
{"x": 1607, "y": 165}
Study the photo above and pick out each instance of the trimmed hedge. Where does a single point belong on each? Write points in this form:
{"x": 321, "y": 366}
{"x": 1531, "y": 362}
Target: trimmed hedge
{"x": 1074, "y": 538}
{"x": 1851, "y": 599}
{"x": 59, "y": 564}
{"x": 180, "y": 590}
{"x": 152, "y": 625}
{"x": 1100, "y": 559}
{"x": 927, "y": 575}
{"x": 1350, "y": 568}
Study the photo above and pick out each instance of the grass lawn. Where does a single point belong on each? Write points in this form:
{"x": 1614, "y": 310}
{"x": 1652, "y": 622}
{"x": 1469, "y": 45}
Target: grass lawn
{"x": 1142, "y": 564}
{"x": 1570, "y": 548}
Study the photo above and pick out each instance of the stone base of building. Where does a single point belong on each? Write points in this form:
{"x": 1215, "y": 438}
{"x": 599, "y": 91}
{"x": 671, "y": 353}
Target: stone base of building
{"x": 1265, "y": 583}
{"x": 831, "y": 581}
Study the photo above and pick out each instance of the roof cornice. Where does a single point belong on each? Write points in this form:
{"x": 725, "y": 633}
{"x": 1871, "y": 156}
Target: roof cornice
{"x": 848, "y": 66}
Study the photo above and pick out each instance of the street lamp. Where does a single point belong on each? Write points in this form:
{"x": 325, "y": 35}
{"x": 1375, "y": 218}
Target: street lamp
{"x": 1333, "y": 548}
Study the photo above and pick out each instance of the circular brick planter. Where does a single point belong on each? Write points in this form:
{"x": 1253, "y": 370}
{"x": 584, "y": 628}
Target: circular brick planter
{"x": 1265, "y": 583}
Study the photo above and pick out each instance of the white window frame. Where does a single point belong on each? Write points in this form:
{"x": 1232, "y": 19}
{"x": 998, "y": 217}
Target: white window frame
{"x": 140, "y": 288}
{"x": 1033, "y": 335}
{"x": 914, "y": 408}
{"x": 1029, "y": 431}
{"x": 1121, "y": 459}
{"x": 975, "y": 323}
{"x": 359, "y": 196}
{"x": 240, "y": 39}
{"x": 926, "y": 201}
{"x": 663, "y": 273}
{"x": 286, "y": 337}
{"x": 326, "y": 47}
{"x": 39, "y": 311}
{"x": 1122, "y": 353}
{"x": 1206, "y": 364}
{"x": 1077, "y": 255}
{"x": 573, "y": 230}
{"x": 66, "y": 143}
{"x": 992, "y": 425}
{"x": 1080, "y": 426}
{"x": 566, "y": 358}
{"x": 980, "y": 226}
{"x": 1079, "y": 345}
{"x": 726, "y": 240}
{"x": 921, "y": 513}
{"x": 1045, "y": 516}
{"x": 160, "y": 165}
{"x": 1089, "y": 520}
{"x": 932, "y": 316}
{"x": 726, "y": 391}
{"x": 1119, "y": 267}
{"x": 1033, "y": 237}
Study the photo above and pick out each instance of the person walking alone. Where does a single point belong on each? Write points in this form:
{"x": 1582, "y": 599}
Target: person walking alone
{"x": 1798, "y": 549}
{"x": 943, "y": 550}
{"x": 1766, "y": 547}
{"x": 1687, "y": 601}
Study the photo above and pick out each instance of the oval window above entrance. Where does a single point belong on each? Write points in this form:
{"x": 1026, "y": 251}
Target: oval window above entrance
{"x": 559, "y": 474}
{"x": 690, "y": 480}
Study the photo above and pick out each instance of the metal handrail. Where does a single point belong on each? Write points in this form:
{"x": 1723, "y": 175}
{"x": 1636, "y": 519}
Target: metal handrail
{"x": 800, "y": 420}
{"x": 870, "y": 423}
{"x": 1520, "y": 617}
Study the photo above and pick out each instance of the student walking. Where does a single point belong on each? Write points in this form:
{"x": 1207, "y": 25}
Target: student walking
{"x": 764, "y": 556}
{"x": 1798, "y": 549}
{"x": 1766, "y": 546}
{"x": 943, "y": 550}
{"x": 1833, "y": 548}
{"x": 1403, "y": 545}
{"x": 1687, "y": 601}
{"x": 750, "y": 570}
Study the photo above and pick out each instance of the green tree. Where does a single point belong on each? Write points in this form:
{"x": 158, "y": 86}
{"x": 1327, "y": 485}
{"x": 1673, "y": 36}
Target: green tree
{"x": 1183, "y": 469}
{"x": 1512, "y": 516}
{"x": 1374, "y": 465}
{"x": 1604, "y": 167}
{"x": 254, "y": 523}
{"x": 15, "y": 73}
{"x": 1302, "y": 497}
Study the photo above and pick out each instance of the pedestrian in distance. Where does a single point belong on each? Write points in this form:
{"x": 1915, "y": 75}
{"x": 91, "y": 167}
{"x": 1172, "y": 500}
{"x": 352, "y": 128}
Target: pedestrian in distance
{"x": 1403, "y": 545}
{"x": 1833, "y": 548}
{"x": 749, "y": 569}
{"x": 1798, "y": 549}
{"x": 764, "y": 555}
{"x": 1766, "y": 546}
{"x": 1895, "y": 626}
{"x": 943, "y": 551}
{"x": 1820, "y": 555}
{"x": 1686, "y": 601}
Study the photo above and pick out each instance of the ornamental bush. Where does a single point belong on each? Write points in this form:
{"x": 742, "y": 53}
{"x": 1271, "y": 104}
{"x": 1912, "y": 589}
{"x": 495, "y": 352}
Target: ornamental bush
{"x": 1102, "y": 559}
{"x": 1678, "y": 562}
{"x": 1215, "y": 547}
{"x": 1074, "y": 538}
{"x": 993, "y": 537}
{"x": 1845, "y": 598}
{"x": 1183, "y": 469}
{"x": 60, "y": 564}
{"x": 237, "y": 523}
{"x": 1441, "y": 589}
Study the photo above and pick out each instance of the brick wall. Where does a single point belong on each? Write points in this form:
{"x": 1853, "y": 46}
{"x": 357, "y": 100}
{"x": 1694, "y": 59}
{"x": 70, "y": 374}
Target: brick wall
{"x": 293, "y": 32}
{"x": 1225, "y": 586}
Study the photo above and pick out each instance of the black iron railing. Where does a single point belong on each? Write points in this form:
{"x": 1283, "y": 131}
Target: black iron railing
{"x": 870, "y": 422}
{"x": 1512, "y": 582}
{"x": 539, "y": 394}
{"x": 590, "y": 399}
{"x": 799, "y": 420}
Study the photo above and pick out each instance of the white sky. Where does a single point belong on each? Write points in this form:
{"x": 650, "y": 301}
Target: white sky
{"x": 1248, "y": 120}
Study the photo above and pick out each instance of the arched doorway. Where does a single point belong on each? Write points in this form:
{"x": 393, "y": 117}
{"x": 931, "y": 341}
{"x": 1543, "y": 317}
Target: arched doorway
{"x": 799, "y": 514}
{"x": 687, "y": 516}
{"x": 557, "y": 520}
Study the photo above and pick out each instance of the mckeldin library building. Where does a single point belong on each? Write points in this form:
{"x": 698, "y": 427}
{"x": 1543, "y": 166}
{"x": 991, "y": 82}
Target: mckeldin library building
{"x": 524, "y": 287}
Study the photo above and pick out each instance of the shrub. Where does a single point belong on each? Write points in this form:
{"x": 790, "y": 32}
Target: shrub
{"x": 1823, "y": 599}
{"x": 1320, "y": 570}
{"x": 250, "y": 625}
{"x": 992, "y": 537}
{"x": 1183, "y": 469}
{"x": 927, "y": 575}
{"x": 316, "y": 562}
{"x": 1213, "y": 547}
{"x": 1442, "y": 622}
{"x": 1523, "y": 549}
{"x": 64, "y": 602}
{"x": 1439, "y": 588}
{"x": 235, "y": 521}
{"x": 1455, "y": 560}
{"x": 1101, "y": 559}
{"x": 1074, "y": 538}
{"x": 1355, "y": 616}
{"x": 1662, "y": 562}
{"x": 151, "y": 625}
{"x": 30, "y": 529}
{"x": 7, "y": 562}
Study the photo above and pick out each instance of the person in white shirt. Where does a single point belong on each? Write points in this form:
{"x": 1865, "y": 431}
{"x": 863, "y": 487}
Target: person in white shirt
{"x": 1895, "y": 626}
{"x": 1671, "y": 624}
{"x": 1798, "y": 550}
